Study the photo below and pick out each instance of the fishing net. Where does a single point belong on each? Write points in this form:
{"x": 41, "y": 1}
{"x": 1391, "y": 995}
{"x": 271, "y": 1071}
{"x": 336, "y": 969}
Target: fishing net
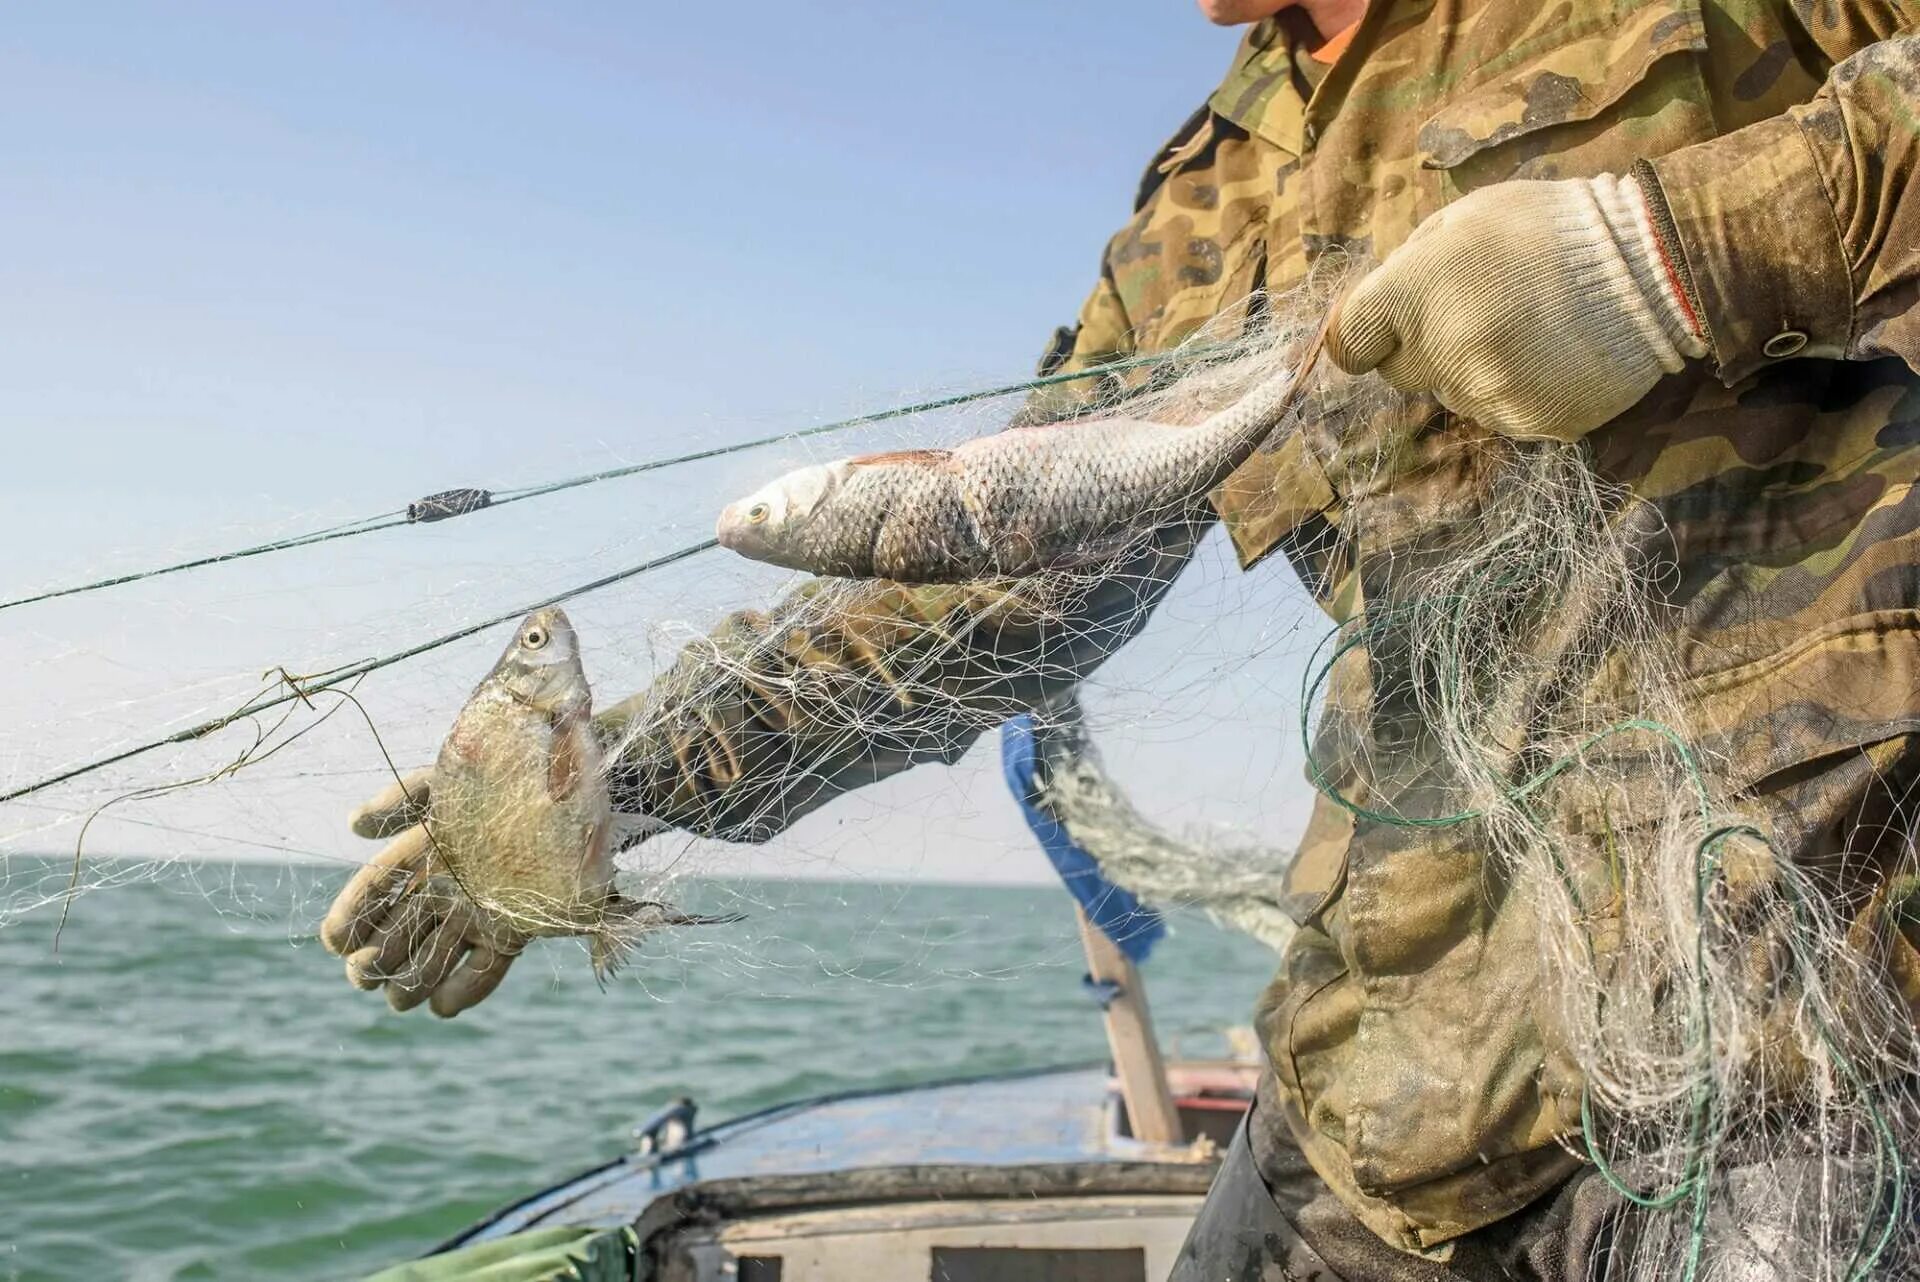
{"x": 1742, "y": 1061}
{"x": 240, "y": 706}
{"x": 1734, "y": 1058}
{"x": 1235, "y": 883}
{"x": 1743, "y": 1065}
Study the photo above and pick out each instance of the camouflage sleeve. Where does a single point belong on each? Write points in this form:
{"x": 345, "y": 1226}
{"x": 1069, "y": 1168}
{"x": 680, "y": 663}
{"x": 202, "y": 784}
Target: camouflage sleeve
{"x": 1800, "y": 235}
{"x": 846, "y": 682}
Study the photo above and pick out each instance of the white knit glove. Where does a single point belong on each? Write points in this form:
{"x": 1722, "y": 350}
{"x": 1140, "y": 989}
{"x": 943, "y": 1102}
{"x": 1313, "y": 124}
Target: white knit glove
{"x": 1532, "y": 308}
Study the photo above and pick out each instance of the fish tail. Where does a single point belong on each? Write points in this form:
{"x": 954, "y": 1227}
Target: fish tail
{"x": 626, "y": 920}
{"x": 1252, "y": 418}
{"x": 608, "y": 950}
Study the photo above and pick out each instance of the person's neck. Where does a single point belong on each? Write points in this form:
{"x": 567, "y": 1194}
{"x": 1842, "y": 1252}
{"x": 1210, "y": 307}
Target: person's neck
{"x": 1335, "y": 21}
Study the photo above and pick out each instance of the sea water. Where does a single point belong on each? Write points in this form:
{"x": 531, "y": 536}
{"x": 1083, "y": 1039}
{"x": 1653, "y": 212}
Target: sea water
{"x": 190, "y": 1089}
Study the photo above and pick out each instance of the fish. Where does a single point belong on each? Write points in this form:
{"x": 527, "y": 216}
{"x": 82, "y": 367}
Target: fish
{"x": 519, "y": 814}
{"x": 1017, "y": 503}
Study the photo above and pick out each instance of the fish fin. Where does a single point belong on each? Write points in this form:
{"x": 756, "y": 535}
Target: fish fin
{"x": 608, "y": 949}
{"x": 598, "y": 837}
{"x": 930, "y": 458}
{"x": 700, "y": 919}
{"x": 566, "y": 760}
{"x": 1092, "y": 554}
{"x": 625, "y": 920}
{"x": 644, "y": 914}
{"x": 463, "y": 743}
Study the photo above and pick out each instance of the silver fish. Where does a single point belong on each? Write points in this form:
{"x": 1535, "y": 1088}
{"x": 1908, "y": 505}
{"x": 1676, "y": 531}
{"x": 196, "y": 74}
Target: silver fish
{"x": 1016, "y": 503}
{"x": 519, "y": 812}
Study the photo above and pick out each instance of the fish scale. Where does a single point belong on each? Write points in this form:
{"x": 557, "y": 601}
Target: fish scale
{"x": 1017, "y": 503}
{"x": 519, "y": 812}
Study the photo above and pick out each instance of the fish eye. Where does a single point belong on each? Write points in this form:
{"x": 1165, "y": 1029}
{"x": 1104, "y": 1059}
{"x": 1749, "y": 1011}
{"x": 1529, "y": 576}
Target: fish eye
{"x": 534, "y": 638}
{"x": 758, "y": 514}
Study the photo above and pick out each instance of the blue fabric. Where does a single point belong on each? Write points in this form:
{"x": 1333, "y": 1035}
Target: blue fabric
{"x": 1130, "y": 924}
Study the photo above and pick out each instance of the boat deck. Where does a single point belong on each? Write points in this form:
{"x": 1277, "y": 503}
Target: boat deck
{"x": 1055, "y": 1118}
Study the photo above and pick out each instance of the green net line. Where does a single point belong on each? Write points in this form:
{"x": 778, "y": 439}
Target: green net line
{"x": 403, "y": 516}
{"x": 333, "y": 678}
{"x": 345, "y": 530}
{"x": 300, "y": 688}
{"x": 1890, "y": 1165}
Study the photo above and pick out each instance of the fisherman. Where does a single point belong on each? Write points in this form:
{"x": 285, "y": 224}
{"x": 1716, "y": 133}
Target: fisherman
{"x": 1686, "y": 232}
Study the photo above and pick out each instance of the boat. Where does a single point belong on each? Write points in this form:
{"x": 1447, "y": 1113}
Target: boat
{"x": 1077, "y": 1173}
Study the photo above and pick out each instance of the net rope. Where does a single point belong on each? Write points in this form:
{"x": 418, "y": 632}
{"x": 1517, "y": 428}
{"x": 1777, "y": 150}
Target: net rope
{"x": 396, "y": 518}
{"x": 1728, "y": 1056}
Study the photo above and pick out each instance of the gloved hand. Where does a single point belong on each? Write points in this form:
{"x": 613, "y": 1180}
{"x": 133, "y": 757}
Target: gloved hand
{"x": 399, "y": 924}
{"x": 414, "y": 932}
{"x": 1532, "y": 308}
{"x": 748, "y": 731}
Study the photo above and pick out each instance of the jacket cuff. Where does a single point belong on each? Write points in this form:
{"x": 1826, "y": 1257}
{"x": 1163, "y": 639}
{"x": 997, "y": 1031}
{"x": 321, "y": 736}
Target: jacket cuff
{"x": 1762, "y": 252}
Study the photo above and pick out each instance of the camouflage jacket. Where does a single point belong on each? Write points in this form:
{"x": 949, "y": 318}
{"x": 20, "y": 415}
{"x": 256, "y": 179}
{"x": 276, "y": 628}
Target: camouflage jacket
{"x": 1784, "y": 135}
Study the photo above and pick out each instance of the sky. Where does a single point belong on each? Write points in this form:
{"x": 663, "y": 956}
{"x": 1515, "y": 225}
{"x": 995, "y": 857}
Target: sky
{"x": 270, "y": 267}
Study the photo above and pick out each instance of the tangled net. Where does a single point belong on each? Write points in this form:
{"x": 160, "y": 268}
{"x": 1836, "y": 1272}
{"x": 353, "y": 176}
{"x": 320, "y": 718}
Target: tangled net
{"x": 1720, "y": 1021}
{"x": 1744, "y": 1068}
{"x": 1721, "y": 1024}
{"x": 1237, "y": 885}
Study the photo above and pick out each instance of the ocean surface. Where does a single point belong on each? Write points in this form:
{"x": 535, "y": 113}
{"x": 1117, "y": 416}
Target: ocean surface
{"x": 189, "y": 1089}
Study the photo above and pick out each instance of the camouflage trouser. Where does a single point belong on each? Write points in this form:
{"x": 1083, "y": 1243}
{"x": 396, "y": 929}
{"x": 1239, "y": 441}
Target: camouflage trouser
{"x": 1270, "y": 1218}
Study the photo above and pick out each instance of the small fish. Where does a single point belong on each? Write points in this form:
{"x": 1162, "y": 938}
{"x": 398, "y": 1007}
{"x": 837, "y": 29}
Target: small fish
{"x": 1019, "y": 502}
{"x": 519, "y": 812}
